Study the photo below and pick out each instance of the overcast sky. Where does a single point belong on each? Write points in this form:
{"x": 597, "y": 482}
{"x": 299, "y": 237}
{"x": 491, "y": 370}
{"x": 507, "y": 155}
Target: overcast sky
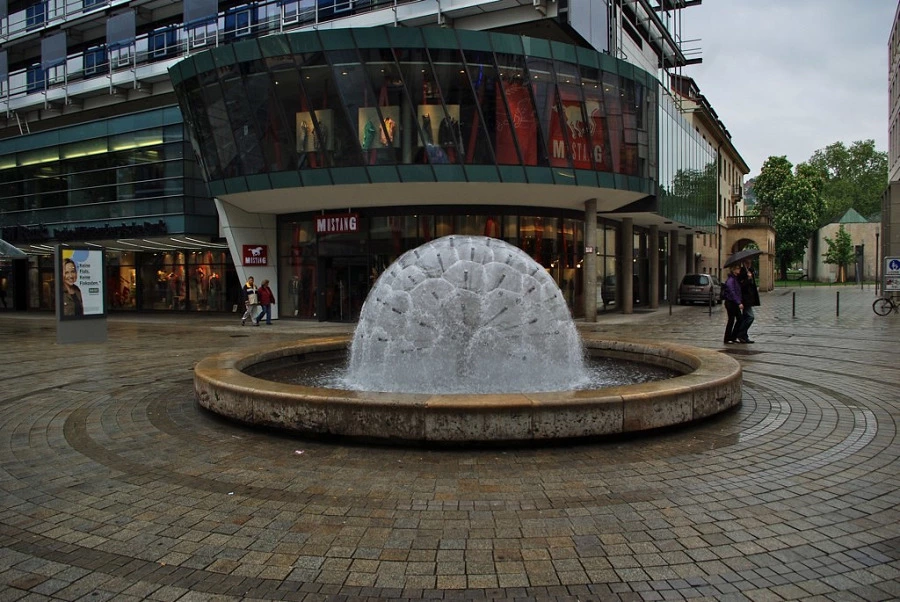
{"x": 790, "y": 77}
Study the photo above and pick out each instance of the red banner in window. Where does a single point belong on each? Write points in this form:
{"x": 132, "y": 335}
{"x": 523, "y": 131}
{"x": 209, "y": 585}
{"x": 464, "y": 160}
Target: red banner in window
{"x": 519, "y": 122}
{"x": 585, "y": 126}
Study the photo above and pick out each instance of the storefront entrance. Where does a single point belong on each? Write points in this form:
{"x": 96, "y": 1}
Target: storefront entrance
{"x": 343, "y": 283}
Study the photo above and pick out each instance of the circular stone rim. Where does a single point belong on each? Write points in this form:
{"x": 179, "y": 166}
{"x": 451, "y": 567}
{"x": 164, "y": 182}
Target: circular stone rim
{"x": 710, "y": 383}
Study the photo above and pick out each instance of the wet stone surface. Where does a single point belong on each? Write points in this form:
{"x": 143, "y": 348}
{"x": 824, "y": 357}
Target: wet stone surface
{"x": 115, "y": 485}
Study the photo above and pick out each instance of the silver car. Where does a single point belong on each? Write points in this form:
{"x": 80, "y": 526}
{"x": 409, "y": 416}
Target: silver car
{"x": 699, "y": 288}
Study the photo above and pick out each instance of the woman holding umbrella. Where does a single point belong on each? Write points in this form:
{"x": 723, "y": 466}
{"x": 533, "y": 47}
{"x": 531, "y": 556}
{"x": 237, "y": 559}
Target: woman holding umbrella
{"x": 750, "y": 295}
{"x": 743, "y": 260}
{"x": 734, "y": 305}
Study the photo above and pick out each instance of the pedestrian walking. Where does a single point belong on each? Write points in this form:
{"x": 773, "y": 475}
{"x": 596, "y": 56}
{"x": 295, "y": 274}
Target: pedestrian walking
{"x": 251, "y": 300}
{"x": 750, "y": 296}
{"x": 734, "y": 305}
{"x": 266, "y": 301}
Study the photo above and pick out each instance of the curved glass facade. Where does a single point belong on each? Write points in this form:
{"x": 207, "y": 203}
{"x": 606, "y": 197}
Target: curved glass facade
{"x": 688, "y": 174}
{"x": 381, "y": 105}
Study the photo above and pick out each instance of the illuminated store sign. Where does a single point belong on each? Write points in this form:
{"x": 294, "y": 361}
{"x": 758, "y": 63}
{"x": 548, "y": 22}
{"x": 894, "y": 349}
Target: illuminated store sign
{"x": 337, "y": 224}
{"x": 255, "y": 255}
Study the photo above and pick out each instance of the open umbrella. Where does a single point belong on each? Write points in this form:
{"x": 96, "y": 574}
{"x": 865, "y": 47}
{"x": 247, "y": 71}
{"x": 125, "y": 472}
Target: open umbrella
{"x": 740, "y": 256}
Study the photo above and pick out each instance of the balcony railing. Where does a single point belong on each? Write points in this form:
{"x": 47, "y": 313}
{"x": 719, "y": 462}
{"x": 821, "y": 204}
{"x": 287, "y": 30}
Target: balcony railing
{"x": 165, "y": 44}
{"x": 749, "y": 221}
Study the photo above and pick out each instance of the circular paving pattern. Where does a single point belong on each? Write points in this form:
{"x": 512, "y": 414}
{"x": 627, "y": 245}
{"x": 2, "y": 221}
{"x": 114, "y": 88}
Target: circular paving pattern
{"x": 116, "y": 485}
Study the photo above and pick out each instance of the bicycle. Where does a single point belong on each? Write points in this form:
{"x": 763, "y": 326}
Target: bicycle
{"x": 884, "y": 305}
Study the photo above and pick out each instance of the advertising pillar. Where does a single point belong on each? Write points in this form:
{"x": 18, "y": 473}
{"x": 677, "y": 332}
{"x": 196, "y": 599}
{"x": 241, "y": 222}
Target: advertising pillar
{"x": 80, "y": 300}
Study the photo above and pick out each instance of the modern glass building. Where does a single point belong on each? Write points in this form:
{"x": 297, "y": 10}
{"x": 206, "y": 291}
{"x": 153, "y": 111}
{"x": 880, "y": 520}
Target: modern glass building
{"x": 315, "y": 157}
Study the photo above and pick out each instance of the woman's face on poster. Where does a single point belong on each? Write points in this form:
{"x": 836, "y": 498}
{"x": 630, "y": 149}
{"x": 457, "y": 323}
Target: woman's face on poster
{"x": 70, "y": 276}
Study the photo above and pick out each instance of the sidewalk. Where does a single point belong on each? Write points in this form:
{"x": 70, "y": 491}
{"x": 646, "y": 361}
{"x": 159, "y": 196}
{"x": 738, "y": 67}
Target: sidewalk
{"x": 114, "y": 485}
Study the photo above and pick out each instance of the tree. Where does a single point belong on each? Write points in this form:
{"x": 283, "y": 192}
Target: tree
{"x": 840, "y": 252}
{"x": 853, "y": 177}
{"x": 793, "y": 199}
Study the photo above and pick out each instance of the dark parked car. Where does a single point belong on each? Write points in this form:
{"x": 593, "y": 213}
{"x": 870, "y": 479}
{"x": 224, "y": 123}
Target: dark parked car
{"x": 699, "y": 288}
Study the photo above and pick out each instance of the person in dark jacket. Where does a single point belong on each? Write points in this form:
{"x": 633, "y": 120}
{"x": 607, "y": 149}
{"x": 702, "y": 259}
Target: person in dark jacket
{"x": 734, "y": 305}
{"x": 266, "y": 301}
{"x": 750, "y": 296}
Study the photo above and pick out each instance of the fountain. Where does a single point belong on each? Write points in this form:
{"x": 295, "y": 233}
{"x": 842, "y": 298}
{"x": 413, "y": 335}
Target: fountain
{"x": 465, "y": 314}
{"x": 467, "y": 339}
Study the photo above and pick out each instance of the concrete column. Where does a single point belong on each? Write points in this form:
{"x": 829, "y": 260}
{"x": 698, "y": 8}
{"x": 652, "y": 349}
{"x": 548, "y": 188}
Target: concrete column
{"x": 627, "y": 247}
{"x": 243, "y": 228}
{"x": 653, "y": 250}
{"x": 674, "y": 275}
{"x": 589, "y": 268}
{"x": 690, "y": 262}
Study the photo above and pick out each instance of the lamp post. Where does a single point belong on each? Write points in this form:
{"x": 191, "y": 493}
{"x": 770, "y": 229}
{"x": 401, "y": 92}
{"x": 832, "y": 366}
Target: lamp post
{"x": 877, "y": 261}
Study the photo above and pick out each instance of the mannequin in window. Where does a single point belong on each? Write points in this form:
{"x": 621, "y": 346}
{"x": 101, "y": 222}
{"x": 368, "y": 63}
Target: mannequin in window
{"x": 426, "y": 128}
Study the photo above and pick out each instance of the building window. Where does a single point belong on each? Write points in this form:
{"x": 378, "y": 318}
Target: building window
{"x": 95, "y": 61}
{"x": 163, "y": 42}
{"x": 35, "y": 15}
{"x": 240, "y": 21}
{"x": 36, "y": 79}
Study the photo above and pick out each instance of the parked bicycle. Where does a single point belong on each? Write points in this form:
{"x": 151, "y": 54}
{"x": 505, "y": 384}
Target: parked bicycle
{"x": 884, "y": 305}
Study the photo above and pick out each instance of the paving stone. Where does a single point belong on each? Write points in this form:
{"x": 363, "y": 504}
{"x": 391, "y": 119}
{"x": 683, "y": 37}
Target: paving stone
{"x": 116, "y": 486}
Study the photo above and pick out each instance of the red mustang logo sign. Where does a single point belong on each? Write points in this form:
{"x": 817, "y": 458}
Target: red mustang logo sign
{"x": 255, "y": 255}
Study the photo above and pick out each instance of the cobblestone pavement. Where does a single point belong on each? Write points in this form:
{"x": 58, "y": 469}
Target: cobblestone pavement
{"x": 114, "y": 485}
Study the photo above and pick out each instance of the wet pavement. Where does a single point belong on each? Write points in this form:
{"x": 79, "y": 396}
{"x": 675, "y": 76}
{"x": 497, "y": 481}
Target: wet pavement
{"x": 115, "y": 485}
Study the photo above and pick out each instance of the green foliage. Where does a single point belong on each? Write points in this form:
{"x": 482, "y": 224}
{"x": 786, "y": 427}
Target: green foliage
{"x": 853, "y": 177}
{"x": 792, "y": 198}
{"x": 840, "y": 251}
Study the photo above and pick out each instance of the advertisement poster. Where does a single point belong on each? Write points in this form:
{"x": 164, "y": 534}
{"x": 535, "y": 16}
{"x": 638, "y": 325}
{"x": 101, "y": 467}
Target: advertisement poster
{"x": 519, "y": 123}
{"x": 891, "y": 274}
{"x": 584, "y": 126}
{"x": 81, "y": 287}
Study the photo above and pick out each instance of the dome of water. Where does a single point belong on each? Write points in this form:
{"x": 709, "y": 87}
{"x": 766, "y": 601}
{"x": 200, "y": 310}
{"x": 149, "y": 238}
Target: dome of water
{"x": 465, "y": 314}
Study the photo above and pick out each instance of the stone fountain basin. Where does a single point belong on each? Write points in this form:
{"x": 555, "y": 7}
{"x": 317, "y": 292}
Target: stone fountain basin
{"x": 710, "y": 383}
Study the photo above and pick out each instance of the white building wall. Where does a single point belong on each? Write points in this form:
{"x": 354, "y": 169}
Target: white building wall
{"x": 860, "y": 234}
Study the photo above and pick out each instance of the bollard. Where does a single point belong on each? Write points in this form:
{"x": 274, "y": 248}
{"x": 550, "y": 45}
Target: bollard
{"x": 837, "y": 304}
{"x": 793, "y": 305}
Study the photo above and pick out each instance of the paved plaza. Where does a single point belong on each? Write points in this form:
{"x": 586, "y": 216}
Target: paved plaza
{"x": 115, "y": 485}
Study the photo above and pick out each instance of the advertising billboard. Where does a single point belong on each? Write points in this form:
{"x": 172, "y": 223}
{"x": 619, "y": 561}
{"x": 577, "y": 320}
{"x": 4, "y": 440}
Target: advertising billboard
{"x": 80, "y": 291}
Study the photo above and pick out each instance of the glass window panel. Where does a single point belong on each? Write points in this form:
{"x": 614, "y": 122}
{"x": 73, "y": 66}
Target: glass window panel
{"x": 320, "y": 126}
{"x": 612, "y": 96}
{"x": 542, "y": 78}
{"x": 465, "y": 129}
{"x": 314, "y": 119}
{"x": 517, "y": 137}
{"x": 443, "y": 226}
{"x": 280, "y": 126}
{"x": 220, "y": 130}
{"x": 356, "y": 126}
{"x": 414, "y": 71}
{"x": 380, "y": 125}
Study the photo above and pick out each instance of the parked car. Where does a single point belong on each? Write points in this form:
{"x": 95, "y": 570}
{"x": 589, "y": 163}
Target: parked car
{"x": 699, "y": 288}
